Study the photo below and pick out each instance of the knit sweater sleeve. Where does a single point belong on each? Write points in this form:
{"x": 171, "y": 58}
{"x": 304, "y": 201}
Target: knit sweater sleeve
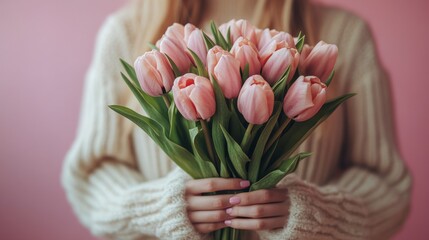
{"x": 370, "y": 198}
{"x": 100, "y": 176}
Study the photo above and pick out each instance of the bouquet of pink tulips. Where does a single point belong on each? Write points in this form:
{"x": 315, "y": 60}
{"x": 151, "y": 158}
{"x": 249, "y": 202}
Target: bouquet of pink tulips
{"x": 234, "y": 103}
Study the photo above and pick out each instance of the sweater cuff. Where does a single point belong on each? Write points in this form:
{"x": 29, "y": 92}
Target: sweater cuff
{"x": 166, "y": 210}
{"x": 124, "y": 207}
{"x": 320, "y": 213}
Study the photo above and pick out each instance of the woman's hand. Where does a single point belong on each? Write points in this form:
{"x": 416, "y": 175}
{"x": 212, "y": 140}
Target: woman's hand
{"x": 208, "y": 213}
{"x": 259, "y": 210}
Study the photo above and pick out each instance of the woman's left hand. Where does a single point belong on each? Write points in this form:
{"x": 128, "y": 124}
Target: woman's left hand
{"x": 265, "y": 209}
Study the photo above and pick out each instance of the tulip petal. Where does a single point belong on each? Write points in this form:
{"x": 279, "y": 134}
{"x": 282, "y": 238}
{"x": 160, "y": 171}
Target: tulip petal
{"x": 298, "y": 98}
{"x": 176, "y": 53}
{"x": 227, "y": 73}
{"x": 256, "y": 100}
{"x": 151, "y": 81}
{"x": 276, "y": 65}
{"x": 318, "y": 101}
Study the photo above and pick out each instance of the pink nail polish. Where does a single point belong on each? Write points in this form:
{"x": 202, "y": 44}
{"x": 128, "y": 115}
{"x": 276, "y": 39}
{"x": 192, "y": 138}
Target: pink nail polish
{"x": 244, "y": 184}
{"x": 229, "y": 210}
{"x": 228, "y": 222}
{"x": 234, "y": 200}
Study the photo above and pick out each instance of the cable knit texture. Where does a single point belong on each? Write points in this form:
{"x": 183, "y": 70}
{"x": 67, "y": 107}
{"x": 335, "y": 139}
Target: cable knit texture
{"x": 355, "y": 186}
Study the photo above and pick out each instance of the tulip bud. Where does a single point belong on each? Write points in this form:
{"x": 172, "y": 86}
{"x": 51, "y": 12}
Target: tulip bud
{"x": 194, "y": 40}
{"x": 226, "y": 69}
{"x": 240, "y": 28}
{"x": 194, "y": 97}
{"x": 247, "y": 53}
{"x": 267, "y": 35}
{"x": 318, "y": 61}
{"x": 304, "y": 98}
{"x": 176, "y": 32}
{"x": 174, "y": 49}
{"x": 256, "y": 100}
{"x": 154, "y": 73}
{"x": 277, "y": 64}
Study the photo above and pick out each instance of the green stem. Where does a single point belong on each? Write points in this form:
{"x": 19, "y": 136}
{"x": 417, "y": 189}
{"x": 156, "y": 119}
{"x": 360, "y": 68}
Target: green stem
{"x": 209, "y": 143}
{"x": 235, "y": 233}
{"x": 246, "y": 138}
{"x": 277, "y": 134}
{"x": 166, "y": 100}
{"x": 217, "y": 235}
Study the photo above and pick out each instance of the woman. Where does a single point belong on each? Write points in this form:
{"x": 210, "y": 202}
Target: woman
{"x": 122, "y": 186}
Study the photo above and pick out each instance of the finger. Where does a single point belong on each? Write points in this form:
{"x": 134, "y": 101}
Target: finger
{"x": 257, "y": 224}
{"x": 207, "y": 185}
{"x": 208, "y": 227}
{"x": 208, "y": 216}
{"x": 204, "y": 203}
{"x": 260, "y": 210}
{"x": 260, "y": 197}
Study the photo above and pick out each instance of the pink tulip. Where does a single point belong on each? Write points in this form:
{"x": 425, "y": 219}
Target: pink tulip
{"x": 318, "y": 61}
{"x": 256, "y": 100}
{"x": 239, "y": 28}
{"x": 268, "y": 50}
{"x": 304, "y": 98}
{"x": 194, "y": 40}
{"x": 176, "y": 32}
{"x": 271, "y": 41}
{"x": 194, "y": 97}
{"x": 247, "y": 53}
{"x": 278, "y": 62}
{"x": 226, "y": 69}
{"x": 154, "y": 73}
{"x": 267, "y": 35}
{"x": 174, "y": 49}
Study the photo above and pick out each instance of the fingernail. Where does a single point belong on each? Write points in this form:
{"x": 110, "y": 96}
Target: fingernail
{"x": 229, "y": 210}
{"x": 234, "y": 200}
{"x": 244, "y": 184}
{"x": 228, "y": 222}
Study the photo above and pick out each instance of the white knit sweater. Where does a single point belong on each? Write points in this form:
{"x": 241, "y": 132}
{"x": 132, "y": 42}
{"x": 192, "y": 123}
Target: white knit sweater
{"x": 355, "y": 186}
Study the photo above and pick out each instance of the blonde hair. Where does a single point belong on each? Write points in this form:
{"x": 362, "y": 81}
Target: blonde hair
{"x": 154, "y": 16}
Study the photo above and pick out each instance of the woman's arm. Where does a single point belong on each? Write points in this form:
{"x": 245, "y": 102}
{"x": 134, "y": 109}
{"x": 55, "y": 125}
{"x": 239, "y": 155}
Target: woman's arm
{"x": 100, "y": 177}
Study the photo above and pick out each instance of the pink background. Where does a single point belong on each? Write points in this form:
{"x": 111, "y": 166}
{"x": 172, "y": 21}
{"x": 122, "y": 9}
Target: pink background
{"x": 45, "y": 48}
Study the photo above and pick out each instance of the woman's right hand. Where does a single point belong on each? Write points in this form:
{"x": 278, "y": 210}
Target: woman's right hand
{"x": 207, "y": 213}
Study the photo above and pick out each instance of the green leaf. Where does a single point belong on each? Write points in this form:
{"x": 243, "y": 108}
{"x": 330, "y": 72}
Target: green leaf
{"x": 224, "y": 42}
{"x": 279, "y": 87}
{"x": 172, "y": 114}
{"x": 300, "y": 43}
{"x": 153, "y": 46}
{"x": 215, "y": 32}
{"x": 245, "y": 72}
{"x": 220, "y": 119}
{"x": 200, "y": 65}
{"x": 182, "y": 157}
{"x": 238, "y": 158}
{"x": 271, "y": 179}
{"x": 267, "y": 158}
{"x": 331, "y": 76}
{"x": 228, "y": 36}
{"x": 299, "y": 131}
{"x": 131, "y": 72}
{"x": 176, "y": 70}
{"x": 208, "y": 41}
{"x": 150, "y": 126}
{"x": 235, "y": 125}
{"x": 219, "y": 39}
{"x": 255, "y": 162}
{"x": 207, "y": 167}
{"x": 193, "y": 70}
{"x": 153, "y": 106}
